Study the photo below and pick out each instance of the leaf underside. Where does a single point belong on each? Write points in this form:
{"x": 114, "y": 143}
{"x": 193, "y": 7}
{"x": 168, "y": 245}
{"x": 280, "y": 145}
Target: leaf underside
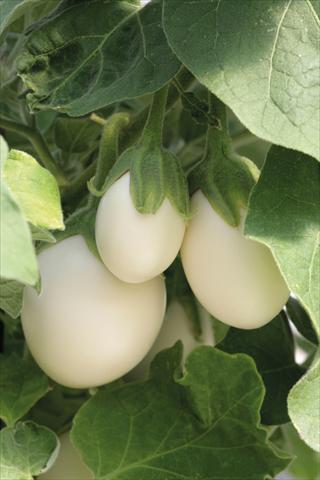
{"x": 260, "y": 58}
{"x": 110, "y": 51}
{"x": 284, "y": 214}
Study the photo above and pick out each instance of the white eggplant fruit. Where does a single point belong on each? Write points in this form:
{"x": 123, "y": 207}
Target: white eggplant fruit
{"x": 87, "y": 327}
{"x": 236, "y": 279}
{"x": 136, "y": 247}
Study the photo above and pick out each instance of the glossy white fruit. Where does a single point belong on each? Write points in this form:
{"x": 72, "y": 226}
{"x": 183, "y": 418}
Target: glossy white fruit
{"x": 235, "y": 279}
{"x": 87, "y": 327}
{"x": 176, "y": 326}
{"x": 136, "y": 247}
{"x": 68, "y": 465}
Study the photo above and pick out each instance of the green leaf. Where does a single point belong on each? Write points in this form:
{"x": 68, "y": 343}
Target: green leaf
{"x": 109, "y": 51}
{"x": 301, "y": 320}
{"x": 26, "y": 451}
{"x": 44, "y": 121}
{"x": 12, "y": 10}
{"x": 303, "y": 405}
{"x": 272, "y": 349}
{"x": 284, "y": 214}
{"x": 198, "y": 109}
{"x": 306, "y": 464}
{"x": 41, "y": 234}
{"x": 17, "y": 255}
{"x": 57, "y": 409}
{"x": 13, "y": 339}
{"x": 22, "y": 385}
{"x": 261, "y": 62}
{"x": 11, "y": 295}
{"x": 165, "y": 429}
{"x": 76, "y": 135}
{"x": 35, "y": 189}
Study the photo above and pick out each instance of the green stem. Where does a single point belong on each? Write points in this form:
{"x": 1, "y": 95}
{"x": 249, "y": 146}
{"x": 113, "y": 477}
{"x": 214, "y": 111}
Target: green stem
{"x": 108, "y": 152}
{"x": 154, "y": 126}
{"x": 97, "y": 119}
{"x": 132, "y": 133}
{"x": 40, "y": 146}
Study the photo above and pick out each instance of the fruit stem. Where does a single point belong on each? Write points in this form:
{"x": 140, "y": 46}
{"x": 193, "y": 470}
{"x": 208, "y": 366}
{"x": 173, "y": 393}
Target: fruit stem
{"x": 132, "y": 133}
{"x": 127, "y": 136}
{"x": 153, "y": 129}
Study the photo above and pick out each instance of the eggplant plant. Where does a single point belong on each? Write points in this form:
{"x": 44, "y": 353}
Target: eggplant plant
{"x": 159, "y": 260}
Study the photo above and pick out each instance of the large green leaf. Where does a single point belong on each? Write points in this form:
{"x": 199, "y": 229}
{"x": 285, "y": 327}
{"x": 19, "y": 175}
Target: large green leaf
{"x": 11, "y": 295}
{"x": 22, "y": 384}
{"x": 260, "y": 57}
{"x": 284, "y": 214}
{"x": 35, "y": 189}
{"x": 26, "y": 451}
{"x": 304, "y": 405}
{"x": 306, "y": 464}
{"x": 89, "y": 54}
{"x": 272, "y": 349}
{"x": 203, "y": 425}
{"x": 12, "y": 10}
{"x": 17, "y": 255}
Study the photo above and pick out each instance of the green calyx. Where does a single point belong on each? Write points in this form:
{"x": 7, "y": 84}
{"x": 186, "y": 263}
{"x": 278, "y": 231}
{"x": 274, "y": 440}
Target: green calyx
{"x": 224, "y": 177}
{"x": 155, "y": 173}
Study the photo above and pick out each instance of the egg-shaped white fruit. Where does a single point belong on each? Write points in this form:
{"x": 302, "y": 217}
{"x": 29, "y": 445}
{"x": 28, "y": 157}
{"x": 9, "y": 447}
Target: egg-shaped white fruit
{"x": 236, "y": 279}
{"x": 68, "y": 465}
{"x": 87, "y": 327}
{"x": 136, "y": 247}
{"x": 176, "y": 326}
